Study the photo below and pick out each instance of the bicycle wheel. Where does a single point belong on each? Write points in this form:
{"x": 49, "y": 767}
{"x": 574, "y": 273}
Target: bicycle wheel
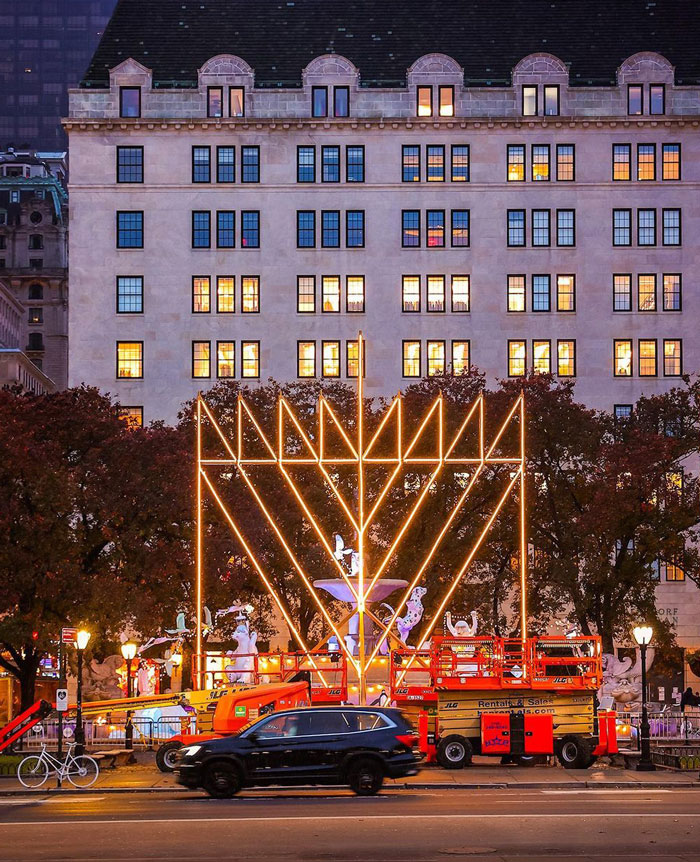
{"x": 83, "y": 771}
{"x": 32, "y": 771}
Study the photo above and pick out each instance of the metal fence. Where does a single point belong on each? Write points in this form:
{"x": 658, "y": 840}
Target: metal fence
{"x": 147, "y": 733}
{"x": 664, "y": 724}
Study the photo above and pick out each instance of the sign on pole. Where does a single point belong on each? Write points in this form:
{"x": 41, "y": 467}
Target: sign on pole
{"x": 61, "y": 699}
{"x": 69, "y": 635}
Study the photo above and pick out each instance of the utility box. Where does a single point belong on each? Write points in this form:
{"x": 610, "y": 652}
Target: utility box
{"x": 539, "y": 734}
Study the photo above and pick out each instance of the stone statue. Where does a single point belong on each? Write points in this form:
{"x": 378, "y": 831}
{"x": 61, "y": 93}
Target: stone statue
{"x": 622, "y": 679}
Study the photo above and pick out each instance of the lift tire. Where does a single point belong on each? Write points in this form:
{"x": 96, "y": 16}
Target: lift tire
{"x": 454, "y": 752}
{"x": 574, "y": 752}
{"x": 165, "y": 756}
{"x": 222, "y": 780}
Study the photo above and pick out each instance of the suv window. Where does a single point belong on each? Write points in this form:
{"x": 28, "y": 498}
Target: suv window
{"x": 330, "y": 722}
{"x": 281, "y": 725}
{"x": 367, "y": 720}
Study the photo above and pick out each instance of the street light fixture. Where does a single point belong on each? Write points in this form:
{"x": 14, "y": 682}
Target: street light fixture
{"x": 643, "y": 635}
{"x": 81, "y": 641}
{"x": 129, "y": 652}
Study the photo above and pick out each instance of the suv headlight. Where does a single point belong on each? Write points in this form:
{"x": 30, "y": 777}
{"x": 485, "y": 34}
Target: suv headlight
{"x": 190, "y": 750}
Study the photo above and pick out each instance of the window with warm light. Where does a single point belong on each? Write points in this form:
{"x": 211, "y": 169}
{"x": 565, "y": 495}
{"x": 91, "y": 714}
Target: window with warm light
{"x": 435, "y": 220}
{"x": 306, "y": 294}
{"x": 540, "y": 227}
{"x": 566, "y": 358}
{"x": 330, "y": 229}
{"x": 225, "y": 229}
{"x": 425, "y": 101}
{"x": 225, "y": 164}
{"x": 635, "y": 99}
{"x": 460, "y": 163}
{"x": 331, "y": 293}
{"x": 622, "y": 292}
{"x": 671, "y": 227}
{"x": 250, "y": 354}
{"x": 516, "y": 293}
{"x": 225, "y": 294}
{"x": 352, "y": 358}
{"x": 331, "y": 358}
{"x": 647, "y": 357}
{"x": 130, "y": 359}
{"x": 306, "y": 359}
{"x": 201, "y": 229}
{"x": 566, "y": 227}
{"x": 355, "y": 293}
{"x": 646, "y": 292}
{"x": 516, "y": 228}
{"x": 672, "y": 292}
{"x": 622, "y": 162}
{"x": 436, "y": 293}
{"x": 215, "y": 101}
{"x": 540, "y": 162}
{"x": 129, "y": 296}
{"x": 436, "y": 164}
{"x": 551, "y": 100}
{"x": 565, "y": 163}
{"x": 517, "y": 358}
{"x": 646, "y": 162}
{"x": 201, "y": 359}
{"x": 622, "y": 227}
{"x": 411, "y": 359}
{"x": 410, "y": 164}
{"x": 516, "y": 163}
{"x": 460, "y": 228}
{"x": 330, "y": 164}
{"x": 236, "y": 102}
{"x": 410, "y": 228}
{"x": 529, "y": 101}
{"x": 541, "y": 293}
{"x": 622, "y": 354}
{"x": 541, "y": 357}
{"x": 201, "y": 294}
{"x": 447, "y": 101}
{"x": 201, "y": 164}
{"x": 306, "y": 229}
{"x": 646, "y": 227}
{"x": 225, "y": 359}
{"x": 460, "y": 358}
{"x": 436, "y": 358}
{"x": 671, "y": 162}
{"x": 250, "y": 294}
{"x": 460, "y": 293}
{"x": 673, "y": 366}
{"x": 672, "y": 572}
{"x": 566, "y": 293}
{"x": 410, "y": 293}
{"x": 657, "y": 99}
{"x": 131, "y": 416}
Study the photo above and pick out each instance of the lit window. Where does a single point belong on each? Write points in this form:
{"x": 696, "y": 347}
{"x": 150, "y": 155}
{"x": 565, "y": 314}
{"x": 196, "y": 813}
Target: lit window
{"x": 436, "y": 358}
{"x": 352, "y": 359}
{"x": 529, "y": 101}
{"x": 622, "y": 158}
{"x": 410, "y": 164}
{"x": 331, "y": 293}
{"x": 225, "y": 164}
{"x": 425, "y": 101}
{"x": 306, "y": 294}
{"x": 671, "y": 162}
{"x": 410, "y": 293}
{"x": 236, "y": 102}
{"x": 565, "y": 162}
{"x": 250, "y": 229}
{"x": 306, "y": 359}
{"x": 341, "y": 102}
{"x": 657, "y": 99}
{"x": 460, "y": 228}
{"x": 250, "y": 168}
{"x": 672, "y": 571}
{"x": 354, "y": 164}
{"x": 410, "y": 228}
{"x": 355, "y": 229}
{"x": 460, "y": 293}
{"x": 436, "y": 228}
{"x": 672, "y": 357}
{"x": 250, "y": 294}
{"x": 355, "y": 293}
{"x": 129, "y": 230}
{"x": 129, "y": 295}
{"x": 436, "y": 164}
{"x": 331, "y": 358}
{"x": 447, "y": 101}
{"x": 225, "y": 229}
{"x": 540, "y": 227}
{"x": 622, "y": 352}
{"x": 647, "y": 357}
{"x": 541, "y": 293}
{"x": 250, "y": 351}
{"x": 306, "y": 164}
{"x": 672, "y": 292}
{"x": 215, "y": 101}
{"x": 516, "y": 227}
{"x": 646, "y": 227}
{"x": 129, "y": 164}
{"x": 330, "y": 229}
{"x": 646, "y": 162}
{"x": 201, "y": 229}
{"x": 411, "y": 359}
{"x": 540, "y": 162}
{"x": 460, "y": 358}
{"x": 131, "y": 416}
{"x": 201, "y": 359}
{"x": 225, "y": 359}
{"x": 201, "y": 158}
{"x": 436, "y": 293}
{"x": 516, "y": 293}
{"x": 551, "y": 100}
{"x": 541, "y": 357}
{"x": 36, "y": 315}
{"x": 672, "y": 227}
{"x": 130, "y": 359}
{"x": 306, "y": 229}
{"x": 566, "y": 358}
{"x": 516, "y": 163}
{"x": 330, "y": 164}
{"x": 225, "y": 294}
{"x": 622, "y": 293}
{"x": 130, "y": 101}
{"x": 622, "y": 227}
{"x": 319, "y": 102}
{"x": 646, "y": 292}
{"x": 566, "y": 293}
{"x": 460, "y": 163}
{"x": 516, "y": 358}
{"x": 201, "y": 294}
{"x": 566, "y": 227}
{"x": 623, "y": 412}
{"x": 635, "y": 103}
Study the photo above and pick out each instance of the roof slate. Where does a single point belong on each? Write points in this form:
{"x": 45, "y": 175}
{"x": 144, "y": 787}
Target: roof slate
{"x": 278, "y": 38}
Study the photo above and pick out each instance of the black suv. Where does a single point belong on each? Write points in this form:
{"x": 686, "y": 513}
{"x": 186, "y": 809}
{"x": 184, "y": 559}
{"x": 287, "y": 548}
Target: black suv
{"x": 337, "y": 745}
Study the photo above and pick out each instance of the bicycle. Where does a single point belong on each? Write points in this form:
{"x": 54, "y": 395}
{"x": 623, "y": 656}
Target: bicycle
{"x": 81, "y": 771}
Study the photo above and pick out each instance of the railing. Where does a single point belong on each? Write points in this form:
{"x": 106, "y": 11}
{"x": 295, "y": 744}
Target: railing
{"x": 147, "y": 733}
{"x": 410, "y": 676}
{"x": 567, "y": 662}
{"x": 664, "y": 724}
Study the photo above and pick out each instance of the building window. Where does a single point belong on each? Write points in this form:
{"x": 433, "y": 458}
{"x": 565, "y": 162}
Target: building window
{"x": 36, "y": 291}
{"x": 671, "y": 162}
{"x": 330, "y": 294}
{"x": 236, "y": 101}
{"x": 635, "y": 101}
{"x": 306, "y": 164}
{"x": 566, "y": 358}
{"x": 250, "y": 294}
{"x": 250, "y": 229}
{"x": 306, "y": 229}
{"x": 622, "y": 227}
{"x": 250, "y": 363}
{"x": 411, "y": 359}
{"x": 201, "y": 359}
{"x": 436, "y": 164}
{"x": 35, "y": 316}
{"x": 551, "y": 100}
{"x": 460, "y": 228}
{"x": 410, "y": 293}
{"x": 529, "y": 101}
{"x": 622, "y": 357}
{"x": 516, "y": 163}
{"x": 540, "y": 227}
{"x": 130, "y": 101}
{"x": 622, "y": 159}
{"x": 435, "y": 220}
{"x": 306, "y": 358}
{"x": 436, "y": 293}
{"x": 646, "y": 162}
{"x": 354, "y": 164}
{"x": 541, "y": 293}
{"x": 330, "y": 229}
{"x": 542, "y": 357}
{"x": 330, "y": 358}
{"x": 672, "y": 292}
{"x": 657, "y": 99}
{"x": 447, "y": 101}
{"x": 131, "y": 416}
{"x": 565, "y": 163}
{"x": 672, "y": 227}
{"x": 225, "y": 230}
{"x": 129, "y": 164}
{"x": 460, "y": 293}
{"x": 250, "y": 159}
{"x": 460, "y": 358}
{"x": 319, "y": 101}
{"x": 410, "y": 228}
{"x": 566, "y": 227}
{"x": 129, "y": 230}
{"x": 36, "y": 262}
{"x": 225, "y": 164}
{"x": 623, "y": 412}
{"x": 517, "y": 358}
{"x": 646, "y": 292}
{"x": 646, "y": 227}
{"x": 410, "y": 164}
{"x": 306, "y": 294}
{"x": 129, "y": 295}
{"x": 671, "y": 571}
{"x": 425, "y": 102}
{"x": 436, "y": 358}
{"x": 516, "y": 293}
{"x": 341, "y": 101}
{"x": 35, "y": 242}
{"x": 516, "y": 227}
{"x": 352, "y": 359}
{"x": 540, "y": 162}
{"x": 130, "y": 359}
{"x": 355, "y": 293}
{"x": 225, "y": 359}
{"x": 647, "y": 357}
{"x": 215, "y": 101}
{"x": 673, "y": 366}
{"x": 355, "y": 229}
{"x": 201, "y": 294}
{"x": 225, "y": 294}
{"x": 330, "y": 164}
{"x": 201, "y": 159}
{"x": 201, "y": 229}
{"x": 36, "y": 341}
{"x": 566, "y": 293}
{"x": 622, "y": 293}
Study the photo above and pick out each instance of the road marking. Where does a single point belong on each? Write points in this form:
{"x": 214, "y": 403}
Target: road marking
{"x": 601, "y": 790}
{"x": 21, "y": 801}
{"x": 73, "y": 798}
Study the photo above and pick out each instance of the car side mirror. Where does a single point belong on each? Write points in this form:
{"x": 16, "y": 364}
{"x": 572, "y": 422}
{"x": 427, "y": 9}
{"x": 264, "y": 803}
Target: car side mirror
{"x": 253, "y": 737}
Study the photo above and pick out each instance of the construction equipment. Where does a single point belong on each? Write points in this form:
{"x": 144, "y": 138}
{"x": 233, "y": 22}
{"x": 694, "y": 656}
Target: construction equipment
{"x": 24, "y": 722}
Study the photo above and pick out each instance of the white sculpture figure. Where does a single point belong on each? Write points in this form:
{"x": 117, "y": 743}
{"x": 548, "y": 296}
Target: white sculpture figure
{"x": 234, "y": 609}
{"x": 241, "y": 670}
{"x": 352, "y": 637}
{"x": 622, "y": 679}
{"x": 413, "y": 615}
{"x": 462, "y": 629}
{"x": 180, "y": 628}
{"x": 208, "y": 623}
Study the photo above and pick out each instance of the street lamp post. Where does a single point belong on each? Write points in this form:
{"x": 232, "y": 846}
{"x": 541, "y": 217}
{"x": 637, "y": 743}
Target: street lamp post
{"x": 642, "y": 634}
{"x": 176, "y": 661}
{"x": 129, "y": 652}
{"x": 81, "y": 641}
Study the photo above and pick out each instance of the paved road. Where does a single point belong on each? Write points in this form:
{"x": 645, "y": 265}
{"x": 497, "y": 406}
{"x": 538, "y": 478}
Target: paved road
{"x": 318, "y": 826}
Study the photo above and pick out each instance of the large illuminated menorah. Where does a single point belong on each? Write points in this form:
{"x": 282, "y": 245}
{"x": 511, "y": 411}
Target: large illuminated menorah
{"x": 360, "y": 512}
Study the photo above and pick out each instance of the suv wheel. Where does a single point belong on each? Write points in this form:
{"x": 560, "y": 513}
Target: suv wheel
{"x": 454, "y": 752}
{"x": 574, "y": 752}
{"x": 365, "y": 777}
{"x": 165, "y": 756}
{"x": 222, "y": 780}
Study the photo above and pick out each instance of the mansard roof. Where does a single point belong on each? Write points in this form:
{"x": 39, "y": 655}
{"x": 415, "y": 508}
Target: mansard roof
{"x": 278, "y": 38}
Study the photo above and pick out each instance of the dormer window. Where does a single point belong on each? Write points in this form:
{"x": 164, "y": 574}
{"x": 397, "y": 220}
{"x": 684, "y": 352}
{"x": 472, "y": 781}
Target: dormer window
{"x": 657, "y": 99}
{"x": 551, "y": 101}
{"x": 529, "y": 101}
{"x": 447, "y": 101}
{"x": 341, "y": 101}
{"x": 319, "y": 101}
{"x": 130, "y": 101}
{"x": 215, "y": 101}
{"x": 635, "y": 100}
{"x": 236, "y": 101}
{"x": 425, "y": 102}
